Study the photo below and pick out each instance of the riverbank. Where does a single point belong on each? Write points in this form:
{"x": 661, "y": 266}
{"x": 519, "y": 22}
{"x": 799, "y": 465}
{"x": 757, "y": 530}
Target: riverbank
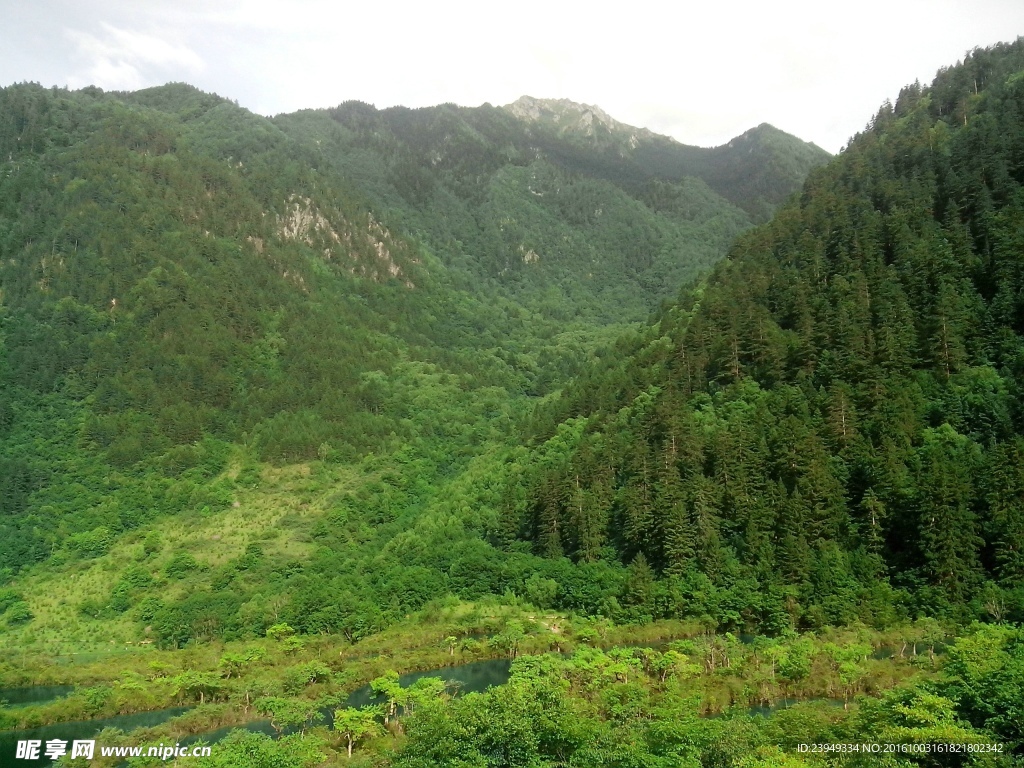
{"x": 224, "y": 685}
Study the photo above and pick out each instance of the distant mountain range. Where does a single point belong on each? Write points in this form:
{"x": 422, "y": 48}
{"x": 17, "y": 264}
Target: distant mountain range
{"x": 755, "y": 171}
{"x": 543, "y": 195}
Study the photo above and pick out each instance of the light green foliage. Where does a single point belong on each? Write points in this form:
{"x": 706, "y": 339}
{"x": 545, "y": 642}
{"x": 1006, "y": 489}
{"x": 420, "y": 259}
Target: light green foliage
{"x": 280, "y": 632}
{"x": 288, "y": 714}
{"x": 356, "y": 725}
{"x": 256, "y": 750}
{"x": 134, "y": 691}
{"x": 849, "y": 664}
{"x": 303, "y": 675}
{"x": 909, "y": 716}
{"x": 197, "y": 686}
{"x": 986, "y": 680}
{"x": 388, "y": 687}
{"x": 423, "y": 691}
{"x": 235, "y": 663}
{"x": 509, "y": 638}
{"x": 795, "y": 663}
{"x": 772, "y": 757}
{"x": 617, "y": 706}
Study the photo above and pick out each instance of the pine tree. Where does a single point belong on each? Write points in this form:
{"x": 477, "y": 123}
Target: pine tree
{"x": 949, "y": 538}
{"x": 1004, "y": 488}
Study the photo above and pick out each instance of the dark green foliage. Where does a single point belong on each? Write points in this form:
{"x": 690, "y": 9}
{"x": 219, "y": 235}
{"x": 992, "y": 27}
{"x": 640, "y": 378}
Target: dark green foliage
{"x": 13, "y": 608}
{"x": 181, "y": 566}
{"x": 828, "y": 428}
{"x": 9, "y": 597}
{"x": 18, "y": 613}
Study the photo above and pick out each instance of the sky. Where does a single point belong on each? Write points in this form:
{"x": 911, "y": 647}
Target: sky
{"x": 699, "y": 72}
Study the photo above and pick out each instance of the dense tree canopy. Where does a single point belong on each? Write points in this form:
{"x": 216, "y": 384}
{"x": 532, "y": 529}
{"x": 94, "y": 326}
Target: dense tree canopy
{"x": 830, "y": 426}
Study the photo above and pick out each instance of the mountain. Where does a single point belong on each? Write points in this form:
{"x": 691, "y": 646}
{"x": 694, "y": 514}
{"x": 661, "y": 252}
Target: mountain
{"x": 179, "y": 277}
{"x": 551, "y": 214}
{"x": 580, "y": 121}
{"x": 830, "y": 427}
{"x": 756, "y": 171}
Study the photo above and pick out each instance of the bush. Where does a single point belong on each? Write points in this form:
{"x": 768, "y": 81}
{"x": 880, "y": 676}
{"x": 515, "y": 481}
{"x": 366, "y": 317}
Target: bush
{"x": 180, "y": 566}
{"x": 18, "y": 613}
{"x": 92, "y": 543}
{"x": 9, "y": 597}
{"x": 148, "y": 608}
{"x": 136, "y": 577}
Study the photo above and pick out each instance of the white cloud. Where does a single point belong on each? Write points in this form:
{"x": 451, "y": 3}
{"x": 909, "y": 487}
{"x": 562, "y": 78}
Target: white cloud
{"x": 124, "y": 59}
{"x": 700, "y": 71}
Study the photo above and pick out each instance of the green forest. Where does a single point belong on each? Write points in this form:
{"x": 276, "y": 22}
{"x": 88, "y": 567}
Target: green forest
{"x": 720, "y": 452}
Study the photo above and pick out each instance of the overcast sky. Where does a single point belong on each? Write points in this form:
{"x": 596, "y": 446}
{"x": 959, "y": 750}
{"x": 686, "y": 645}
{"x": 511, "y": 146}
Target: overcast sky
{"x": 701, "y": 73}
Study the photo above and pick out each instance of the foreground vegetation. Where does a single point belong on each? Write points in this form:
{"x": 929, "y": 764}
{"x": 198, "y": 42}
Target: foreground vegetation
{"x": 695, "y": 700}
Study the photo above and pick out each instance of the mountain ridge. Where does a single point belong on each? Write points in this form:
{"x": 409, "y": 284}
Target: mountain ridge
{"x": 754, "y": 170}
{"x": 556, "y": 110}
{"x": 539, "y": 110}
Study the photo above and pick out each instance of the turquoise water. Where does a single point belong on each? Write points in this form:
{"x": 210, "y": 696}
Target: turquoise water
{"x": 465, "y": 678}
{"x": 475, "y": 677}
{"x": 33, "y": 694}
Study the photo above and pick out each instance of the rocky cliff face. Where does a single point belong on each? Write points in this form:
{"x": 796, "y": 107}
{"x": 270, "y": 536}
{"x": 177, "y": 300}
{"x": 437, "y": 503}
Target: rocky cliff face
{"x": 570, "y": 117}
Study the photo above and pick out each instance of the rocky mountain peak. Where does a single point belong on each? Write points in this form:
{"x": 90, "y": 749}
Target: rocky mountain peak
{"x": 571, "y": 117}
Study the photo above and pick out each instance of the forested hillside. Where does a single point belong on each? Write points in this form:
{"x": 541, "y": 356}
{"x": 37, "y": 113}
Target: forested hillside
{"x": 597, "y": 222}
{"x": 829, "y": 428}
{"x": 190, "y": 290}
{"x": 178, "y": 276}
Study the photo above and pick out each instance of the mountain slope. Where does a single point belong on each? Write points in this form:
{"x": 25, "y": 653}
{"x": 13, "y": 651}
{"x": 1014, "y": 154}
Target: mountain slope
{"x": 830, "y": 427}
{"x": 549, "y": 215}
{"x": 178, "y": 279}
